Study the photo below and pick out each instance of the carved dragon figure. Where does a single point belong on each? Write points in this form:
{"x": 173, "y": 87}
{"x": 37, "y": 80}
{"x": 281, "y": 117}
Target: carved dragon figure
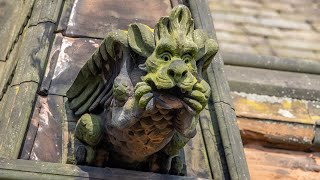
{"x": 139, "y": 95}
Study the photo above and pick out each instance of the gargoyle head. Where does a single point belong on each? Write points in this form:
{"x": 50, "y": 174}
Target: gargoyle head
{"x": 176, "y": 53}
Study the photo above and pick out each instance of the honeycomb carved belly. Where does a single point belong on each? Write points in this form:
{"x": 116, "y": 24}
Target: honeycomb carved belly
{"x": 145, "y": 137}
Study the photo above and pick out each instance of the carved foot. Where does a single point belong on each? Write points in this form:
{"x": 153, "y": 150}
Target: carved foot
{"x": 177, "y": 167}
{"x": 198, "y": 97}
{"x": 160, "y": 163}
{"x": 89, "y": 129}
{"x": 84, "y": 155}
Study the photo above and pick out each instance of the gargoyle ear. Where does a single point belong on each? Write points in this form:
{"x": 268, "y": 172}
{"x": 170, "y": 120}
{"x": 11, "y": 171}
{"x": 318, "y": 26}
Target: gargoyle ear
{"x": 207, "y": 49}
{"x": 141, "y": 39}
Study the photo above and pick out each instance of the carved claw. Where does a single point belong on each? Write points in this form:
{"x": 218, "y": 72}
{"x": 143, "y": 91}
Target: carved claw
{"x": 177, "y": 166}
{"x": 198, "y": 97}
{"x": 84, "y": 155}
{"x": 143, "y": 93}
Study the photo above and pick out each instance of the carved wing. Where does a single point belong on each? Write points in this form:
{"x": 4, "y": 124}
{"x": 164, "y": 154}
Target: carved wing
{"x": 93, "y": 86}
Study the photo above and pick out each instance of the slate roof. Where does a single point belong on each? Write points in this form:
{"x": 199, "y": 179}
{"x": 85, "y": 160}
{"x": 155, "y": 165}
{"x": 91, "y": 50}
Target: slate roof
{"x": 283, "y": 28}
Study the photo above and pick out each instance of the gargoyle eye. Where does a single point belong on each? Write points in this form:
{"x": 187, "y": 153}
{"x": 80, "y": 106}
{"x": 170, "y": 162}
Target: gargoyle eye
{"x": 166, "y": 56}
{"x": 187, "y": 58}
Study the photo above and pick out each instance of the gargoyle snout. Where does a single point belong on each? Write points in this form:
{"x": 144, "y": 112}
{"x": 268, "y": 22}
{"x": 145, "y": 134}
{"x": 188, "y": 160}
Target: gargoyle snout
{"x": 177, "y": 70}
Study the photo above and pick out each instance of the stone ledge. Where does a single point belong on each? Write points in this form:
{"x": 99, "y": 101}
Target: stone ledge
{"x": 24, "y": 169}
{"x": 274, "y": 83}
{"x": 271, "y": 62}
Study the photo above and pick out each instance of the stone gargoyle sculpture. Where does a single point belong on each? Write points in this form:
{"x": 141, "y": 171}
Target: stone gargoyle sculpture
{"x": 140, "y": 94}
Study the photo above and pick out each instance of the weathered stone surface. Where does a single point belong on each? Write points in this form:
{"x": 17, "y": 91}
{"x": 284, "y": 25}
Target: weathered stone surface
{"x": 265, "y": 163}
{"x": 261, "y": 31}
{"x": 296, "y": 53}
{"x": 271, "y": 62}
{"x": 233, "y": 37}
{"x": 310, "y": 45}
{"x": 22, "y": 169}
{"x": 314, "y": 110}
{"x": 272, "y": 108}
{"x": 234, "y": 47}
{"x": 65, "y": 15}
{"x": 51, "y": 65}
{"x": 45, "y": 11}
{"x": 96, "y": 18}
{"x": 293, "y": 27}
{"x": 7, "y": 70}
{"x": 33, "y": 52}
{"x": 274, "y": 83}
{"x": 196, "y": 157}
{"x": 17, "y": 104}
{"x": 74, "y": 53}
{"x": 222, "y": 26}
{"x": 47, "y": 144}
{"x": 300, "y": 35}
{"x": 13, "y": 18}
{"x": 237, "y": 18}
{"x": 276, "y": 134}
{"x": 16, "y": 107}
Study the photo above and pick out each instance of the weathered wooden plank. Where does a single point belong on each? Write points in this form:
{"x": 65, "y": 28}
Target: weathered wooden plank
{"x": 233, "y": 161}
{"x": 23, "y": 169}
{"x": 196, "y": 157}
{"x": 73, "y": 55}
{"x": 269, "y": 164}
{"x": 48, "y": 141}
{"x": 15, "y": 116}
{"x": 109, "y": 15}
{"x": 13, "y": 18}
{"x": 275, "y": 108}
{"x": 277, "y": 134}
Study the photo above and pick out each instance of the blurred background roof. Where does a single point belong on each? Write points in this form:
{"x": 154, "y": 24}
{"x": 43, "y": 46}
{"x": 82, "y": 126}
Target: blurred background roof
{"x": 283, "y": 28}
